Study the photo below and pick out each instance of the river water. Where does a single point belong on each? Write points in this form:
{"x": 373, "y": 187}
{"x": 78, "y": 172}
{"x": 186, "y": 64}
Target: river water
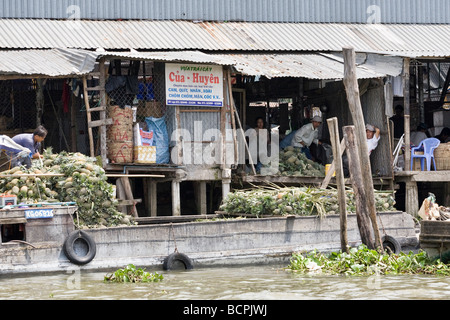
{"x": 266, "y": 282}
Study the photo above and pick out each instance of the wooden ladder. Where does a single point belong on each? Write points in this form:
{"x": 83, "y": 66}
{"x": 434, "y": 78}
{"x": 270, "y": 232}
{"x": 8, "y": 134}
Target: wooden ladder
{"x": 103, "y": 122}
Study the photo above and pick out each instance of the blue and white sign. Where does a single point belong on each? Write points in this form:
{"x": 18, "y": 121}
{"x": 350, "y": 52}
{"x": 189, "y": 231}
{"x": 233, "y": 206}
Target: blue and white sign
{"x": 194, "y": 85}
{"x": 38, "y": 213}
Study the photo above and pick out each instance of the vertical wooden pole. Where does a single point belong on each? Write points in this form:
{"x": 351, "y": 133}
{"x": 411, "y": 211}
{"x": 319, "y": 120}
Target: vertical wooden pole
{"x": 176, "y": 201}
{"x": 356, "y": 176}
{"x": 102, "y": 129}
{"x": 152, "y": 186}
{"x": 88, "y": 116}
{"x": 337, "y": 159}
{"x": 406, "y": 112}
{"x": 354, "y": 102}
{"x": 73, "y": 123}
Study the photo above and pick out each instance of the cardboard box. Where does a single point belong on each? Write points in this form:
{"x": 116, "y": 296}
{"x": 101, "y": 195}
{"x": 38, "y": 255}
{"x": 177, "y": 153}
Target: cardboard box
{"x": 145, "y": 154}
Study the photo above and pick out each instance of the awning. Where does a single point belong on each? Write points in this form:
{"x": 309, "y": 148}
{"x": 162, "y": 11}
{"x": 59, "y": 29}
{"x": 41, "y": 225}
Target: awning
{"x": 77, "y": 62}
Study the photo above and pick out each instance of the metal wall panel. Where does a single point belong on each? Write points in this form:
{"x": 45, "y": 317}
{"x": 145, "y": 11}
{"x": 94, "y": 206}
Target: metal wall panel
{"x": 306, "y": 11}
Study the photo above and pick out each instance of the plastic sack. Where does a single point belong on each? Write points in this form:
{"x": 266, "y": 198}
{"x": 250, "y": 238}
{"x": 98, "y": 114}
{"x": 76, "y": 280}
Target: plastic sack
{"x": 160, "y": 138}
{"x": 429, "y": 209}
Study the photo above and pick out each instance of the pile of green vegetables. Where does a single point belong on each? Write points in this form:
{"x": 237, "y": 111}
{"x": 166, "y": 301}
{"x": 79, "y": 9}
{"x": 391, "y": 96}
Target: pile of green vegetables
{"x": 78, "y": 179}
{"x": 364, "y": 261}
{"x": 293, "y": 162}
{"x": 274, "y": 200}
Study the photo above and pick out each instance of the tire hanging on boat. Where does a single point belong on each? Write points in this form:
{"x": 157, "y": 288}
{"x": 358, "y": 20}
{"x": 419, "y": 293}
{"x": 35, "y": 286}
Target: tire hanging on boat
{"x": 391, "y": 244}
{"x": 170, "y": 260}
{"x": 75, "y": 237}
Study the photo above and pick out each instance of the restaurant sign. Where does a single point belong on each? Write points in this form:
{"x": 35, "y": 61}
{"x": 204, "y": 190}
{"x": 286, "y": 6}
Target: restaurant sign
{"x": 194, "y": 85}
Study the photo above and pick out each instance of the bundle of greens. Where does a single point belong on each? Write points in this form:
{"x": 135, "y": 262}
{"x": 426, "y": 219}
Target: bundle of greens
{"x": 70, "y": 177}
{"x": 296, "y": 200}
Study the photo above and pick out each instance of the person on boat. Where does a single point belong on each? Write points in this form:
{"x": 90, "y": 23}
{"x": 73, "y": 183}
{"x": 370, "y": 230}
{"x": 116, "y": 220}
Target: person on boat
{"x": 31, "y": 141}
{"x": 444, "y": 136}
{"x": 373, "y": 136}
{"x": 260, "y": 130}
{"x": 307, "y": 135}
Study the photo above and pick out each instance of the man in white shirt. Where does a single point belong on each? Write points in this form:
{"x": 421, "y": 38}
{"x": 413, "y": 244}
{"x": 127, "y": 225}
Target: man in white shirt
{"x": 306, "y": 135}
{"x": 420, "y": 134}
{"x": 373, "y": 136}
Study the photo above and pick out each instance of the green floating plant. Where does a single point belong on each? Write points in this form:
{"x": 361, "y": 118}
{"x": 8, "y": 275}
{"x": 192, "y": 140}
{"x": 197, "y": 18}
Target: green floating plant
{"x": 132, "y": 274}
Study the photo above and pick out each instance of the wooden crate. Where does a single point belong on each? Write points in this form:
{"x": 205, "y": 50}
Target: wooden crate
{"x": 145, "y": 154}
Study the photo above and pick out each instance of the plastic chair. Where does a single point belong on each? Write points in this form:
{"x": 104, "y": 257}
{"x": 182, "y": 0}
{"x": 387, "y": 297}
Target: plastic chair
{"x": 428, "y": 146}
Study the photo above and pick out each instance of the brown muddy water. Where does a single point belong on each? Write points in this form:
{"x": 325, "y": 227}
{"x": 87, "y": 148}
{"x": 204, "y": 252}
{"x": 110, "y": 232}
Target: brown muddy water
{"x": 265, "y": 282}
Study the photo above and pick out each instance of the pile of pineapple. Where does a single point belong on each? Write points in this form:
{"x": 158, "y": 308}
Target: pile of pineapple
{"x": 69, "y": 177}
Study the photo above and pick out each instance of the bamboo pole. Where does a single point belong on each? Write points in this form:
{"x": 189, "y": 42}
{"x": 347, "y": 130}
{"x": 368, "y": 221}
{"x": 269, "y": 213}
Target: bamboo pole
{"x": 352, "y": 90}
{"x": 334, "y": 137}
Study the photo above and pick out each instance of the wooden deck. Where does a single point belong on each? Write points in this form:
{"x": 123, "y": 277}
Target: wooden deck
{"x": 411, "y": 178}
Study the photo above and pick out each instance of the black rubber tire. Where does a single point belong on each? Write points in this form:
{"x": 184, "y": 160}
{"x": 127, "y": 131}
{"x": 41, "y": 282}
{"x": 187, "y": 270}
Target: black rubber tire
{"x": 391, "y": 245}
{"x": 177, "y": 256}
{"x": 69, "y": 247}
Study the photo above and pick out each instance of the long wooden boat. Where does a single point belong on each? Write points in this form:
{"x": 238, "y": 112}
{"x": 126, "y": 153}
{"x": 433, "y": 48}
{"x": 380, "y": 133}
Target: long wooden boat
{"x": 52, "y": 243}
{"x": 435, "y": 239}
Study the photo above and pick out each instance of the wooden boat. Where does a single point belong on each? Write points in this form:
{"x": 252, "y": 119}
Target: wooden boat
{"x": 52, "y": 243}
{"x": 435, "y": 239}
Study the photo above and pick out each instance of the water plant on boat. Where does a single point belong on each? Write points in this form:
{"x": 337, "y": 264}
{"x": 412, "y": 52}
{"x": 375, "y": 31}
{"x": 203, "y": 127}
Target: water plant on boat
{"x": 132, "y": 274}
{"x": 364, "y": 261}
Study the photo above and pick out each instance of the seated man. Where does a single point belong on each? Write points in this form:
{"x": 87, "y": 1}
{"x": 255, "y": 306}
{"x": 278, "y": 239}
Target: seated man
{"x": 373, "y": 136}
{"x": 306, "y": 135}
{"x": 420, "y": 134}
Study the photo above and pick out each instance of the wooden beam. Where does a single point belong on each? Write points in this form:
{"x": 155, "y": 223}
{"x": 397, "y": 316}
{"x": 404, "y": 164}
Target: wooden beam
{"x": 103, "y": 104}
{"x": 406, "y": 110}
{"x": 334, "y": 137}
{"x": 352, "y": 91}
{"x": 329, "y": 175}
{"x": 88, "y": 115}
{"x": 129, "y": 193}
{"x": 362, "y": 214}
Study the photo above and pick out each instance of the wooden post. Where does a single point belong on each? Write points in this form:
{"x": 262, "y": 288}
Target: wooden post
{"x": 176, "y": 203}
{"x": 73, "y": 122}
{"x": 362, "y": 214}
{"x": 88, "y": 115}
{"x": 152, "y": 188}
{"x": 102, "y": 129}
{"x": 129, "y": 193}
{"x": 327, "y": 178}
{"x": 406, "y": 112}
{"x": 412, "y": 198}
{"x": 337, "y": 159}
{"x": 354, "y": 102}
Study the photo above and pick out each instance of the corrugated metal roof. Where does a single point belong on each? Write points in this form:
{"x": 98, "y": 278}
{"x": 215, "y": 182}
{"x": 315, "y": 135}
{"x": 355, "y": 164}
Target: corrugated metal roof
{"x": 52, "y": 63}
{"x": 75, "y": 62}
{"x": 411, "y": 40}
{"x": 311, "y": 66}
{"x": 304, "y": 11}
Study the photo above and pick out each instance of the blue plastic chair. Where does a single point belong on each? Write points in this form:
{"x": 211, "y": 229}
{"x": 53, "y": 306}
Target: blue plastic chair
{"x": 428, "y": 146}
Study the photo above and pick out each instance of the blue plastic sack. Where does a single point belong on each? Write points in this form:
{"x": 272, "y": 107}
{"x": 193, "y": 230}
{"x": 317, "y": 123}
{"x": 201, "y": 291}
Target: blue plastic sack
{"x": 160, "y": 138}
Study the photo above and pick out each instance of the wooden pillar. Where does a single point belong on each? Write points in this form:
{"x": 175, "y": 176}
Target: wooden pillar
{"x": 153, "y": 191}
{"x": 362, "y": 214}
{"x": 352, "y": 91}
{"x": 176, "y": 199}
{"x": 125, "y": 181}
{"x": 411, "y": 198}
{"x": 120, "y": 195}
{"x": 102, "y": 129}
{"x": 200, "y": 196}
{"x": 406, "y": 111}
{"x": 73, "y": 122}
{"x": 337, "y": 159}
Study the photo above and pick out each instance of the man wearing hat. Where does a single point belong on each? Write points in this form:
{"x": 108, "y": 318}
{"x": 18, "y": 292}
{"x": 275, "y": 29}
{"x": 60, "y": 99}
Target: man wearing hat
{"x": 373, "y": 136}
{"x": 306, "y": 135}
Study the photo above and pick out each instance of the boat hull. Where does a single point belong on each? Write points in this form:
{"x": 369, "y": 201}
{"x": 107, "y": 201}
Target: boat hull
{"x": 206, "y": 243}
